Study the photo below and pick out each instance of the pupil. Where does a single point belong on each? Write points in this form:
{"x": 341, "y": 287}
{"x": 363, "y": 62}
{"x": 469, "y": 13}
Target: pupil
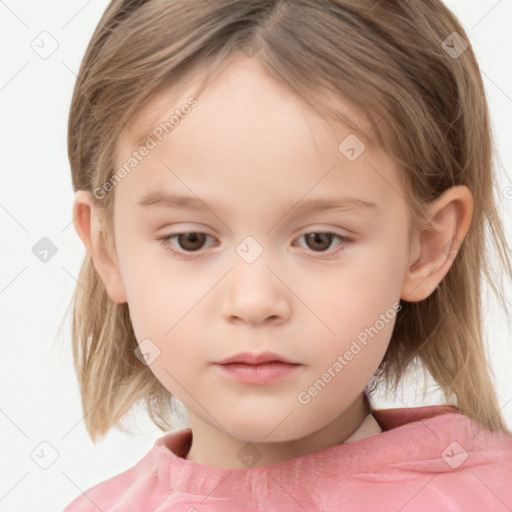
{"x": 317, "y": 238}
{"x": 190, "y": 238}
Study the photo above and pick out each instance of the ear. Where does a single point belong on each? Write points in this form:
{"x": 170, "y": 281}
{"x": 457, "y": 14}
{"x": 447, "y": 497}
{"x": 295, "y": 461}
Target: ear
{"x": 88, "y": 226}
{"x": 434, "y": 250}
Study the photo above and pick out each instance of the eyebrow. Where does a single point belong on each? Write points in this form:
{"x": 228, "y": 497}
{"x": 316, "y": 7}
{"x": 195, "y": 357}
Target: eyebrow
{"x": 161, "y": 199}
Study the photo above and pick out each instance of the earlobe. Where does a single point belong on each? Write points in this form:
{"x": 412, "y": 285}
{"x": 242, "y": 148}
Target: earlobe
{"x": 436, "y": 246}
{"x": 87, "y": 225}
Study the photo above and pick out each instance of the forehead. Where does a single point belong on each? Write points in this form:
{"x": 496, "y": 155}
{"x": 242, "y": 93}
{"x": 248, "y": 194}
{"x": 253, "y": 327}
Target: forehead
{"x": 247, "y": 131}
{"x": 240, "y": 78}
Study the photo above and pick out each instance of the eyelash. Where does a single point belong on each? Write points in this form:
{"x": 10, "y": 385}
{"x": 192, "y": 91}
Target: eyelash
{"x": 166, "y": 243}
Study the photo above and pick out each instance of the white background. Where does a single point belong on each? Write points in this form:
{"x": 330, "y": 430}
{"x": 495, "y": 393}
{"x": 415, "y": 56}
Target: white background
{"x": 39, "y": 397}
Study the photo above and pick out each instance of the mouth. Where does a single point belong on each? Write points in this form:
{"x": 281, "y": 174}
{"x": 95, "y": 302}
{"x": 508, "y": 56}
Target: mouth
{"x": 267, "y": 372}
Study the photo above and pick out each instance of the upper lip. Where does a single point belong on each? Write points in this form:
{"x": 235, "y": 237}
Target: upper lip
{"x": 253, "y": 358}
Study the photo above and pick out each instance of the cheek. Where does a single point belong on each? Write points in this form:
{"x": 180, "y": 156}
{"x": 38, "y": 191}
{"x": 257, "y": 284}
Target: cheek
{"x": 164, "y": 306}
{"x": 362, "y": 333}
{"x": 359, "y": 305}
{"x": 157, "y": 292}
{"x": 357, "y": 294}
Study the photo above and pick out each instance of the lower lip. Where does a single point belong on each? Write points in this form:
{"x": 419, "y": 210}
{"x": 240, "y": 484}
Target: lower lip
{"x": 265, "y": 373}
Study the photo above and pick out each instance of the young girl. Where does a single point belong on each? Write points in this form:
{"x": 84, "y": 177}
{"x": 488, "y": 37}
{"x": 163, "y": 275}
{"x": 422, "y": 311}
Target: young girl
{"x": 284, "y": 205}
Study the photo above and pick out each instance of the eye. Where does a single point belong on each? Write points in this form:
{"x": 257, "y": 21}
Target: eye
{"x": 318, "y": 241}
{"x": 193, "y": 241}
{"x": 190, "y": 241}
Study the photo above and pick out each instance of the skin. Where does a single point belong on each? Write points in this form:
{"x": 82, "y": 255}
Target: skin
{"x": 248, "y": 150}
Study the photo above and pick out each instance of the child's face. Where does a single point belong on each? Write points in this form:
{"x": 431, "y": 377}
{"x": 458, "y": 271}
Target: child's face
{"x": 252, "y": 154}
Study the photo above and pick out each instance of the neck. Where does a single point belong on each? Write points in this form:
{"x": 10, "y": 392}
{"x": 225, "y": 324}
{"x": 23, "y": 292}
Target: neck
{"x": 214, "y": 447}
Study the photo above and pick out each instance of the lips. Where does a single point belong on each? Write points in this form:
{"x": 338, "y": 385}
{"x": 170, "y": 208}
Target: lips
{"x": 256, "y": 358}
{"x": 262, "y": 368}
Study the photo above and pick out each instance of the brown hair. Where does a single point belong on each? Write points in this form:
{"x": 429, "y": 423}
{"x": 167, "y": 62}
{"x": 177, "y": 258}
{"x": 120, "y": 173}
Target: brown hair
{"x": 426, "y": 108}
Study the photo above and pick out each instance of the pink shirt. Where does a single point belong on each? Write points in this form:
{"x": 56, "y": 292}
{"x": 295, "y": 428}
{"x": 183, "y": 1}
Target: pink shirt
{"x": 425, "y": 459}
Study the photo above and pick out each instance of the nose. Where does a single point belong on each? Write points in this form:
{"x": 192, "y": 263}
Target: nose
{"x": 253, "y": 294}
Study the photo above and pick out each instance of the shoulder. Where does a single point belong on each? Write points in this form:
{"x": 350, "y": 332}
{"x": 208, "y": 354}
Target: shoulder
{"x": 442, "y": 432}
{"x": 453, "y": 462}
{"x": 137, "y": 482}
{"x": 104, "y": 494}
